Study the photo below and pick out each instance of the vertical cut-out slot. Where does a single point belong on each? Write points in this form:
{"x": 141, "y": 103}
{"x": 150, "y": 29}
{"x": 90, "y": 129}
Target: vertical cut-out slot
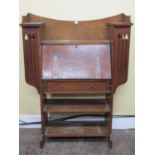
{"x": 26, "y": 37}
{"x": 126, "y": 37}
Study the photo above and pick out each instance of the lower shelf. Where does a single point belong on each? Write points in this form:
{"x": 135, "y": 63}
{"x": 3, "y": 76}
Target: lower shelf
{"x": 77, "y": 131}
{"x": 76, "y": 106}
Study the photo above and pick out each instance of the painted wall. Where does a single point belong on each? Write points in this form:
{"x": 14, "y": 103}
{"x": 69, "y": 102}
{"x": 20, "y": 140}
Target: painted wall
{"x": 78, "y": 10}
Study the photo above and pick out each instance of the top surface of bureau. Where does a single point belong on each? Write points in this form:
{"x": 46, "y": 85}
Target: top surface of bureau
{"x": 76, "y": 61}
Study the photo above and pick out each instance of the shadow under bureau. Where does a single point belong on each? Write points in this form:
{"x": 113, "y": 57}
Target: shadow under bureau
{"x": 83, "y": 58}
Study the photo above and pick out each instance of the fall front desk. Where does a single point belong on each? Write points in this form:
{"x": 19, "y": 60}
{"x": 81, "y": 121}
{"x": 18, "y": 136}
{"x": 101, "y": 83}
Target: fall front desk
{"x": 82, "y": 58}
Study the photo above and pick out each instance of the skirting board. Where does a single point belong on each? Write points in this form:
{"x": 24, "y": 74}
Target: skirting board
{"x": 119, "y": 122}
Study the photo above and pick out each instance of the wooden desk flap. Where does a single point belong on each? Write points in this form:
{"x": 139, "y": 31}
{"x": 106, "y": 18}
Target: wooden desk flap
{"x": 76, "y": 62}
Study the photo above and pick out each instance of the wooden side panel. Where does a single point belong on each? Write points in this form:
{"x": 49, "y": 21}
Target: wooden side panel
{"x": 122, "y": 51}
{"x": 120, "y": 54}
{"x": 32, "y": 56}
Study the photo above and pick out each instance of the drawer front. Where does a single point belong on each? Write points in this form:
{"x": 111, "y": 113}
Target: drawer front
{"x": 77, "y": 87}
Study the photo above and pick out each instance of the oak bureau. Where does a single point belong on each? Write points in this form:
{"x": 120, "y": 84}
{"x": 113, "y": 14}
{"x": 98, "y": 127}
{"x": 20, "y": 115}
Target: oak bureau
{"x": 82, "y": 58}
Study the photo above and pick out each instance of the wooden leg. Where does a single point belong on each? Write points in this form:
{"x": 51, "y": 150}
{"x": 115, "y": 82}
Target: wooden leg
{"x": 109, "y": 143}
{"x": 109, "y": 116}
{"x": 42, "y": 141}
{"x": 43, "y": 114}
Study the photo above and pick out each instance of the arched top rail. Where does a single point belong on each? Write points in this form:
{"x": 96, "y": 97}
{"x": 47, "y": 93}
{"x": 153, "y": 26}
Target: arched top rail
{"x": 53, "y": 29}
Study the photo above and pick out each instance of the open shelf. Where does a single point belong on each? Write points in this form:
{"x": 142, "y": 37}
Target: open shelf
{"x": 77, "y": 131}
{"x": 76, "y": 106}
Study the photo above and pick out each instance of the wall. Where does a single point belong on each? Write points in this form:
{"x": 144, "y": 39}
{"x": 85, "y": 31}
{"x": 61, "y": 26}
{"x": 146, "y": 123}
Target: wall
{"x": 78, "y": 10}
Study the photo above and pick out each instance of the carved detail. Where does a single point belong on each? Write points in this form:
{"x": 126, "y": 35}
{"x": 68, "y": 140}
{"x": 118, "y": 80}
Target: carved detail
{"x": 26, "y": 37}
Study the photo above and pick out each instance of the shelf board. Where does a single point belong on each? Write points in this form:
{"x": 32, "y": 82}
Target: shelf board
{"x": 77, "y": 131}
{"x": 77, "y": 106}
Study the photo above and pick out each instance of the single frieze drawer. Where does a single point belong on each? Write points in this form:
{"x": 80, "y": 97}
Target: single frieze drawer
{"x": 73, "y": 87}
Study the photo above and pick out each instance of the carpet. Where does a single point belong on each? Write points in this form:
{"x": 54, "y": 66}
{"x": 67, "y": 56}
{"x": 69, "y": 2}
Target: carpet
{"x": 123, "y": 144}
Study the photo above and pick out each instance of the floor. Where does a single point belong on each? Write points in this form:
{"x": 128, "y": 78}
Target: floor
{"x": 123, "y": 144}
